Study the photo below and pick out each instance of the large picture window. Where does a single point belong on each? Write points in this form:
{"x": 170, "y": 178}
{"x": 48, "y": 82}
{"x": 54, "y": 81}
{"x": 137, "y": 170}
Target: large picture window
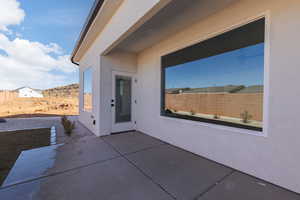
{"x": 219, "y": 80}
{"x": 87, "y": 90}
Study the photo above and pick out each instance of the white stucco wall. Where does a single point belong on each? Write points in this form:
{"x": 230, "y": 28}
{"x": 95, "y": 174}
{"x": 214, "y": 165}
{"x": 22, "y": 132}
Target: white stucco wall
{"x": 117, "y": 61}
{"x": 85, "y": 117}
{"x": 274, "y": 158}
{"x": 127, "y": 16}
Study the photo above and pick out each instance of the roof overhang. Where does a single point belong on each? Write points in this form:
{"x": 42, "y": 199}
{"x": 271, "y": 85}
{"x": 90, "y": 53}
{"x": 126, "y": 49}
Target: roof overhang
{"x": 100, "y": 14}
{"x": 160, "y": 22}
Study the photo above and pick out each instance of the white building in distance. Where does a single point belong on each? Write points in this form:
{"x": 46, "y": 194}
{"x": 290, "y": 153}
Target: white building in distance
{"x": 28, "y": 92}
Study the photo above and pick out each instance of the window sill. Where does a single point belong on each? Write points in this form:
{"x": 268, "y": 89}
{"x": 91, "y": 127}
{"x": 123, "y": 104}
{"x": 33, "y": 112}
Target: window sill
{"x": 215, "y": 126}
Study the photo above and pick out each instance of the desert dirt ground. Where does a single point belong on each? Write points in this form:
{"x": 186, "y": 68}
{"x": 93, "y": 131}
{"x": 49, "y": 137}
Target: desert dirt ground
{"x": 39, "y": 107}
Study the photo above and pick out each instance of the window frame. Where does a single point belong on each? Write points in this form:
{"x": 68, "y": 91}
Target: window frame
{"x": 257, "y": 130}
{"x": 83, "y": 92}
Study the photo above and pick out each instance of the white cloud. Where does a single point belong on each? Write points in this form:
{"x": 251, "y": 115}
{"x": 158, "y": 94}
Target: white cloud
{"x": 11, "y": 14}
{"x": 30, "y": 63}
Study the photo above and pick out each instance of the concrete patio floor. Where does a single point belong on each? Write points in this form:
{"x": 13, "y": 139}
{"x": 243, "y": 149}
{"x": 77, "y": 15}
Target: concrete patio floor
{"x": 129, "y": 166}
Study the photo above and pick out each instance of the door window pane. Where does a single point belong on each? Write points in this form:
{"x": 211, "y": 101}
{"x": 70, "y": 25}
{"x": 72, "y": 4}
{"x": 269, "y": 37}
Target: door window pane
{"x": 123, "y": 99}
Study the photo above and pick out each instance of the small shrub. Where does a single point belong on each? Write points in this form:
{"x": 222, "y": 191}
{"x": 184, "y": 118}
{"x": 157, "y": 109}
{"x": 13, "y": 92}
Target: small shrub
{"x": 68, "y": 125}
{"x": 216, "y": 116}
{"x": 168, "y": 111}
{"x": 246, "y": 117}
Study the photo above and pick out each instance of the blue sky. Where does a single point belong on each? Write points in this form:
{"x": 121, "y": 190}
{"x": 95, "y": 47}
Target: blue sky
{"x": 49, "y": 31}
{"x": 58, "y": 21}
{"x": 239, "y": 67}
{"x": 87, "y": 78}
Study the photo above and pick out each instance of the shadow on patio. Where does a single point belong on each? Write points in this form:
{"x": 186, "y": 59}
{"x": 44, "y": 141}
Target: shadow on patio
{"x": 129, "y": 166}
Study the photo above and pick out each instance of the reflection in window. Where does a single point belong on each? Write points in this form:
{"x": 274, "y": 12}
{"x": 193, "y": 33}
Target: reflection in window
{"x": 123, "y": 99}
{"x": 87, "y": 90}
{"x": 219, "y": 80}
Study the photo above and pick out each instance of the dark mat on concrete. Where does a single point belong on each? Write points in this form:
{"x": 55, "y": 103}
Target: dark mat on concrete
{"x": 2, "y": 120}
{"x": 53, "y": 159}
{"x": 181, "y": 173}
{"x": 132, "y": 142}
{"x": 239, "y": 186}
{"x": 111, "y": 180}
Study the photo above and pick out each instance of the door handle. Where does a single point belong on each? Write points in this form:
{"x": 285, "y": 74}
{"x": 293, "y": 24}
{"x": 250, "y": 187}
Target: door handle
{"x": 112, "y": 103}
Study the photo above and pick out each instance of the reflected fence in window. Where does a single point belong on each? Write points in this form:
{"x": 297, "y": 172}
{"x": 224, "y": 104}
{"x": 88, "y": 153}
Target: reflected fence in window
{"x": 219, "y": 80}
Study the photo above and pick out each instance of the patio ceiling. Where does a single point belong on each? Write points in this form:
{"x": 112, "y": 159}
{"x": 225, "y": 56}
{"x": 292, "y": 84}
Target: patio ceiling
{"x": 174, "y": 17}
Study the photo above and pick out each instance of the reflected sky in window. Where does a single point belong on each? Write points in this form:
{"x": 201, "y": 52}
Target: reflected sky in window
{"x": 239, "y": 67}
{"x": 87, "y": 78}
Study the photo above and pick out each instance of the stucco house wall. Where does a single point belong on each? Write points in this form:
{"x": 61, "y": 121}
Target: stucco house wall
{"x": 121, "y": 62}
{"x": 274, "y": 155}
{"x": 127, "y": 16}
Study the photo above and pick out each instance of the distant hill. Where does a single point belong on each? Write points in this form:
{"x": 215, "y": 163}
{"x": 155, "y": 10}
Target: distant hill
{"x": 219, "y": 89}
{"x": 63, "y": 91}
